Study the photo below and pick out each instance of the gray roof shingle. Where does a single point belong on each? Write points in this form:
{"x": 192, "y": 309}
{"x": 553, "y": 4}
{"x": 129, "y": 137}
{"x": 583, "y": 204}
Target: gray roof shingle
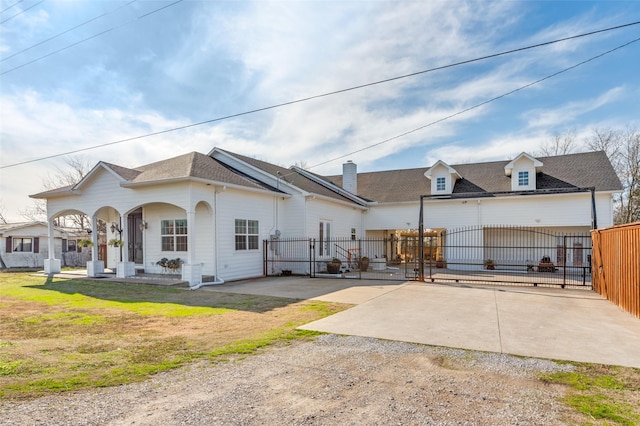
{"x": 583, "y": 170}
{"x": 292, "y": 177}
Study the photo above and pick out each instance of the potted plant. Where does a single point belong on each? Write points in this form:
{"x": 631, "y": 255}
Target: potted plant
{"x": 364, "y": 263}
{"x": 114, "y": 242}
{"x": 85, "y": 243}
{"x": 489, "y": 264}
{"x": 333, "y": 266}
{"x": 530, "y": 266}
{"x": 169, "y": 265}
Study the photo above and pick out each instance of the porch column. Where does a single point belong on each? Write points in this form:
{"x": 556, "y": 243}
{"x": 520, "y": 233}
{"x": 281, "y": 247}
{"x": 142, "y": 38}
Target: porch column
{"x": 51, "y": 265}
{"x": 95, "y": 267}
{"x": 191, "y": 271}
{"x": 125, "y": 268}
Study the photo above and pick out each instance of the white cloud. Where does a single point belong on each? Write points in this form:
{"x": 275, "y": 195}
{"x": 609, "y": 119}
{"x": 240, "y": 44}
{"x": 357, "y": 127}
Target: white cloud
{"x": 570, "y": 111}
{"x": 236, "y": 56}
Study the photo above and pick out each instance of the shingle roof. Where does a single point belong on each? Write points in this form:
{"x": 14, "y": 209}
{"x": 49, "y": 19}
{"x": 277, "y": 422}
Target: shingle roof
{"x": 292, "y": 177}
{"x": 583, "y": 170}
{"x": 194, "y": 165}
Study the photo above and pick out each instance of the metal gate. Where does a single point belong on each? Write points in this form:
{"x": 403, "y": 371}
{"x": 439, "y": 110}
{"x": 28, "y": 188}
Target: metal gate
{"x": 509, "y": 255}
{"x": 490, "y": 255}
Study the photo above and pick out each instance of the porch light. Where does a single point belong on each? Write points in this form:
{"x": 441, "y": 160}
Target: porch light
{"x": 115, "y": 228}
{"x": 143, "y": 225}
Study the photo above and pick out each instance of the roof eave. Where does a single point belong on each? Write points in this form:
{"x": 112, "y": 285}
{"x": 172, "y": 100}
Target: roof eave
{"x": 215, "y": 183}
{"x": 334, "y": 200}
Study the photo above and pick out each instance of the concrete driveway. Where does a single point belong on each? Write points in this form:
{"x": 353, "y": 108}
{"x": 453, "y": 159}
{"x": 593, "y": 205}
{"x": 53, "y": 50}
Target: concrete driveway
{"x": 555, "y": 323}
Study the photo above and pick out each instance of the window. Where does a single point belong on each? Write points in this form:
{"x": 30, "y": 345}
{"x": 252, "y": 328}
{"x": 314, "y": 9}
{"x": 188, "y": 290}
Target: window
{"x": 440, "y": 184}
{"x": 324, "y": 237}
{"x": 523, "y": 178}
{"x": 72, "y": 245}
{"x": 174, "y": 235}
{"x": 247, "y": 234}
{"x": 23, "y": 244}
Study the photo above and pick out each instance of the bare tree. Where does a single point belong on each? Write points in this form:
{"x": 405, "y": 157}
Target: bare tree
{"x": 301, "y": 164}
{"x": 560, "y": 144}
{"x": 3, "y": 219}
{"x": 623, "y": 149}
{"x": 77, "y": 168}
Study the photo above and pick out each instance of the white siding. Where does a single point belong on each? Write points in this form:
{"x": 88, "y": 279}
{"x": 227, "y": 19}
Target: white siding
{"x": 205, "y": 239}
{"x": 154, "y": 214}
{"x": 343, "y": 218}
{"x": 232, "y": 205}
{"x": 392, "y": 216}
{"x": 291, "y": 216}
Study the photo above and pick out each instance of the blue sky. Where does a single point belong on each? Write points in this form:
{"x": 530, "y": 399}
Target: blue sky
{"x": 198, "y": 60}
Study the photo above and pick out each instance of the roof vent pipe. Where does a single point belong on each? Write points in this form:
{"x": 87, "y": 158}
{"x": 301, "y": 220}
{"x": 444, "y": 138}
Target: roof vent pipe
{"x": 350, "y": 177}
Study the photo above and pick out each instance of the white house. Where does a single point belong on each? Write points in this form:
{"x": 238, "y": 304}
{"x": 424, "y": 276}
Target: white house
{"x": 25, "y": 245}
{"x": 213, "y": 211}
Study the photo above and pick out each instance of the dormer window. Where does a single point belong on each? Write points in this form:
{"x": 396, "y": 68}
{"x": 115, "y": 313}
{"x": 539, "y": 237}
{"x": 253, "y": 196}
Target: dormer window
{"x": 443, "y": 178}
{"x": 523, "y": 178}
{"x": 522, "y": 171}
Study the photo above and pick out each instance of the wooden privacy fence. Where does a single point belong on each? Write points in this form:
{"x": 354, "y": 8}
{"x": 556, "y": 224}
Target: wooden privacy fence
{"x": 616, "y": 265}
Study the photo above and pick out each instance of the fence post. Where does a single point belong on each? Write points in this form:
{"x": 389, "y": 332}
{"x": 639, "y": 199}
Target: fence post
{"x": 312, "y": 262}
{"x": 265, "y": 266}
{"x": 360, "y": 257}
{"x": 421, "y": 240}
{"x": 564, "y": 260}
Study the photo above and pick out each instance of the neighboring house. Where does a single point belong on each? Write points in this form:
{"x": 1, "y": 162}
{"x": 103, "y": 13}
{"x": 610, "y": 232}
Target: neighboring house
{"x": 213, "y": 211}
{"x": 26, "y": 245}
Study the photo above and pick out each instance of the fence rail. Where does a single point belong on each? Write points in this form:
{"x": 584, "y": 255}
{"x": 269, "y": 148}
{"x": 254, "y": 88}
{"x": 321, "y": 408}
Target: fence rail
{"x": 497, "y": 254}
{"x": 616, "y": 265}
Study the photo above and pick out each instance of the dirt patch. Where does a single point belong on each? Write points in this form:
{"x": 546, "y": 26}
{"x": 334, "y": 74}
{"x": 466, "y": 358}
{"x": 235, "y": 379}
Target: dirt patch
{"x": 332, "y": 380}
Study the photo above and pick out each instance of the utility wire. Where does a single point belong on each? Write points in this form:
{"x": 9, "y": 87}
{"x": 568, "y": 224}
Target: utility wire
{"x": 89, "y": 38}
{"x": 66, "y": 31}
{"x": 9, "y": 7}
{"x": 478, "y": 105}
{"x": 187, "y": 126}
{"x": 20, "y": 13}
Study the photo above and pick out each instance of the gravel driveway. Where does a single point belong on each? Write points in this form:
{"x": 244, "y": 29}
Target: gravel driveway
{"x": 332, "y": 380}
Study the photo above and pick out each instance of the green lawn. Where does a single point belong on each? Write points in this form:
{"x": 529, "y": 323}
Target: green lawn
{"x": 62, "y": 335}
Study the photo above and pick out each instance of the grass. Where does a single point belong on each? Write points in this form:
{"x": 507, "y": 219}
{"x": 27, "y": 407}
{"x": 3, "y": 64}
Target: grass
{"x": 60, "y": 335}
{"x": 603, "y": 395}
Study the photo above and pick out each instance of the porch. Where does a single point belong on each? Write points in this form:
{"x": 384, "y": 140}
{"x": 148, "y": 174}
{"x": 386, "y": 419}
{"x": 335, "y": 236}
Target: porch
{"x": 165, "y": 280}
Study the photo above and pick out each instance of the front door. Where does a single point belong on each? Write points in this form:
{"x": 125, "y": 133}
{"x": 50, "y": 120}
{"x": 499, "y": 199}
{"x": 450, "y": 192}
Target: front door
{"x": 135, "y": 237}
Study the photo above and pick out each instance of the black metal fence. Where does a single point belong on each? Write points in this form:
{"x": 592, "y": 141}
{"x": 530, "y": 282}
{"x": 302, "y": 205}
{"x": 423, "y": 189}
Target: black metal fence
{"x": 496, "y": 254}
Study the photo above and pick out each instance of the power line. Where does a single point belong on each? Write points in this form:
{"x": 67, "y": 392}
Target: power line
{"x": 89, "y": 38}
{"x": 9, "y": 7}
{"x": 187, "y": 126}
{"x": 66, "y": 31}
{"x": 20, "y": 13}
{"x": 479, "y": 104}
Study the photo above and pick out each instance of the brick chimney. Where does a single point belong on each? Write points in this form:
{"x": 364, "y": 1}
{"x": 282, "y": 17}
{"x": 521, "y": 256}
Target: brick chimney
{"x": 350, "y": 177}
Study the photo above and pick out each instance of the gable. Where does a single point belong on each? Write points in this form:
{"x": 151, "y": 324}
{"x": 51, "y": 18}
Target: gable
{"x": 443, "y": 178}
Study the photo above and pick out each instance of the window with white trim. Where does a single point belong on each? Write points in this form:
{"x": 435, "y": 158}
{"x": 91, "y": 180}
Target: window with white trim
{"x": 324, "y": 237}
{"x": 173, "y": 234}
{"x": 440, "y": 184}
{"x": 23, "y": 244}
{"x": 247, "y": 234}
{"x": 523, "y": 178}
